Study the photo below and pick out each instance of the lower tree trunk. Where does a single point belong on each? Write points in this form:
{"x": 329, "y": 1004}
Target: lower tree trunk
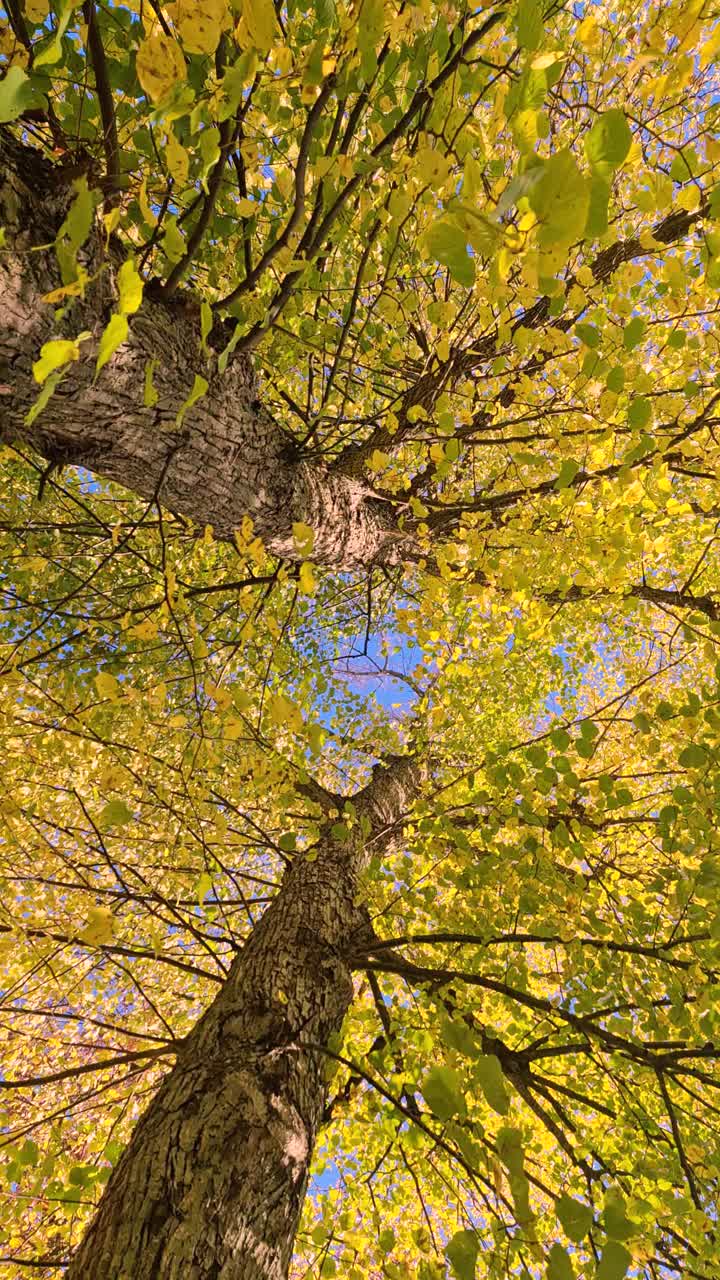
{"x": 212, "y": 1183}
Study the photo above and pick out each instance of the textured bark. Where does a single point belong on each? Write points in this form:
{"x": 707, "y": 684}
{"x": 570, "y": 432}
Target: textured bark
{"x": 212, "y": 1183}
{"x": 229, "y": 459}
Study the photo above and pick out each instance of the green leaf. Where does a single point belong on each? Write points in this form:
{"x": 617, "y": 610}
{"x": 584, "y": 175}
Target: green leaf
{"x": 614, "y": 1262}
{"x": 446, "y": 242}
{"x": 386, "y": 1240}
{"x": 574, "y": 1216}
{"x": 633, "y": 333}
{"x": 442, "y": 1090}
{"x": 529, "y": 24}
{"x": 42, "y": 400}
{"x": 28, "y": 1154}
{"x": 560, "y": 201}
{"x": 639, "y": 412}
{"x": 206, "y": 323}
{"x": 492, "y": 1082}
{"x": 589, "y": 334}
{"x": 609, "y": 141}
{"x": 114, "y": 334}
{"x": 568, "y": 471}
{"x": 457, "y": 1035}
{"x": 173, "y": 245}
{"x": 559, "y": 1266}
{"x": 694, "y": 756}
{"x": 686, "y": 165}
{"x": 115, "y": 814}
{"x": 462, "y": 1253}
{"x": 509, "y": 1145}
{"x": 18, "y": 94}
{"x": 150, "y": 395}
{"x": 197, "y": 391}
{"x": 597, "y": 219}
{"x": 616, "y": 1223}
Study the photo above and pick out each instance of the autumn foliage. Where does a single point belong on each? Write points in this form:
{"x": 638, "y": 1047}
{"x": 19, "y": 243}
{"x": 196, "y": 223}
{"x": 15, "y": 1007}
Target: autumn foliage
{"x": 473, "y": 254}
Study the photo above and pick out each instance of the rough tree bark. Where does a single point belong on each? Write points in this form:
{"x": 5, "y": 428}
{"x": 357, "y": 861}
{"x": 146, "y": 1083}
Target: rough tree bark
{"x": 213, "y": 1180}
{"x": 229, "y": 459}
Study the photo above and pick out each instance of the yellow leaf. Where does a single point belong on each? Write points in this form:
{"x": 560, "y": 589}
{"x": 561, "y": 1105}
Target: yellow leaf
{"x": 130, "y": 287}
{"x": 111, "y": 220}
{"x": 145, "y": 630}
{"x": 53, "y": 355}
{"x": 76, "y": 288}
{"x": 259, "y": 17}
{"x": 442, "y": 350}
{"x": 106, "y": 685}
{"x": 303, "y": 538}
{"x": 306, "y": 578}
{"x": 99, "y": 927}
{"x": 200, "y": 23}
{"x": 432, "y": 166}
{"x": 160, "y": 64}
{"x": 37, "y": 10}
{"x": 378, "y": 460}
{"x": 176, "y": 159}
{"x": 284, "y": 712}
{"x": 114, "y": 334}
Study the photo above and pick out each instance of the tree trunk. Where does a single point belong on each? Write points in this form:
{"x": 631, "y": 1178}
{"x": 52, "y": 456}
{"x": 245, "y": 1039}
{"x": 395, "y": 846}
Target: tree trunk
{"x": 228, "y": 459}
{"x": 212, "y": 1183}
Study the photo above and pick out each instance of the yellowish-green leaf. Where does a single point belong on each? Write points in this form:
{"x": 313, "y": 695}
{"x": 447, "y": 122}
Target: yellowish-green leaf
{"x": 203, "y": 887}
{"x": 172, "y": 241}
{"x": 114, "y": 334}
{"x": 560, "y": 199}
{"x": 206, "y": 323}
{"x": 197, "y": 391}
{"x": 150, "y": 395}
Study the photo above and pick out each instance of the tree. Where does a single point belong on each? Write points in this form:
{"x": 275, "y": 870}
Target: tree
{"x": 359, "y": 640}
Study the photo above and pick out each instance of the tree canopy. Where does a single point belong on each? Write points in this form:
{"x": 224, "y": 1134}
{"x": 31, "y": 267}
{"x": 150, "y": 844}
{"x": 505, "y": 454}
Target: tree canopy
{"x": 454, "y": 271}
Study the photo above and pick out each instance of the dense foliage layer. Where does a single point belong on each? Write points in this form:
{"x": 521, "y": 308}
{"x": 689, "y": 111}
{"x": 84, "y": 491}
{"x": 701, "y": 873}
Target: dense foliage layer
{"x": 474, "y": 257}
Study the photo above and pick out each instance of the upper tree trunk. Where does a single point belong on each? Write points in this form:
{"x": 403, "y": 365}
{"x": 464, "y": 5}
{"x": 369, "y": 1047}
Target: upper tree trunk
{"x": 229, "y": 459}
{"x": 212, "y": 1183}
